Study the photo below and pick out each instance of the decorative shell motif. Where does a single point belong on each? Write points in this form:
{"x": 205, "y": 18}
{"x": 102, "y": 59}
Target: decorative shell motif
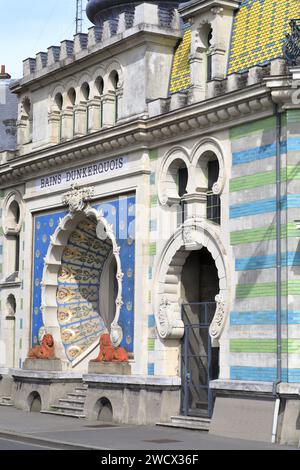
{"x": 78, "y": 198}
{"x": 164, "y": 315}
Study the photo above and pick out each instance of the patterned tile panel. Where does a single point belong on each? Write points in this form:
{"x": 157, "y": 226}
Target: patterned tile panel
{"x": 259, "y": 31}
{"x": 79, "y": 313}
{"x": 180, "y": 76}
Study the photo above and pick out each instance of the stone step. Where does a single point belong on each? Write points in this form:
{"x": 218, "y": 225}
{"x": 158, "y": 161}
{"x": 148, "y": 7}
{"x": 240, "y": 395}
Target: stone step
{"x": 65, "y": 415}
{"x": 67, "y": 408}
{"x": 81, "y": 390}
{"x": 68, "y": 401}
{"x": 76, "y": 395}
{"x": 5, "y": 401}
{"x": 188, "y": 422}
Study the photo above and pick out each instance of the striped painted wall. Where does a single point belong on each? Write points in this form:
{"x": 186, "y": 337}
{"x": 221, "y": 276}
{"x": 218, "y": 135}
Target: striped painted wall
{"x": 252, "y": 215}
{"x": 152, "y": 333}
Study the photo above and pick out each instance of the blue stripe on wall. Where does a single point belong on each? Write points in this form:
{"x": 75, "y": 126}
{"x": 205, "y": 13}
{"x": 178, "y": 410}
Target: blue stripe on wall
{"x": 263, "y": 374}
{"x": 151, "y": 321}
{"x": 293, "y": 144}
{"x": 258, "y": 153}
{"x": 151, "y": 369}
{"x": 267, "y": 261}
{"x": 267, "y": 317}
{"x": 263, "y": 206}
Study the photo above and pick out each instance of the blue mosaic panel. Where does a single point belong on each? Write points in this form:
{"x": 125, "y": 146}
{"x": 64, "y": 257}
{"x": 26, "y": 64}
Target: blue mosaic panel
{"x": 120, "y": 213}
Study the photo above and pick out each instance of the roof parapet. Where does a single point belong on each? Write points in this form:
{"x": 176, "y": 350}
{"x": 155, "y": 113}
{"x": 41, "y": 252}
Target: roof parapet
{"x": 98, "y": 37}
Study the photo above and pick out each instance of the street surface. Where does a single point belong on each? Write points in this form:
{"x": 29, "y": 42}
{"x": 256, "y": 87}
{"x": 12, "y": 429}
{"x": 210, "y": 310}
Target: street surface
{"x": 67, "y": 432}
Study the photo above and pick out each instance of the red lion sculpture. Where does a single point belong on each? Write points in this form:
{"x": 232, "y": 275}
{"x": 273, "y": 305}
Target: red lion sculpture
{"x": 110, "y": 354}
{"x": 45, "y": 350}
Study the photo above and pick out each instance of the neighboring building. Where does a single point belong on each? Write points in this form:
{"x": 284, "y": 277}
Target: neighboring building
{"x": 8, "y": 113}
{"x": 181, "y": 127}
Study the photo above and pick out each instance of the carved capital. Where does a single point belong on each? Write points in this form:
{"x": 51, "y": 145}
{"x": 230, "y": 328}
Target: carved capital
{"x": 169, "y": 327}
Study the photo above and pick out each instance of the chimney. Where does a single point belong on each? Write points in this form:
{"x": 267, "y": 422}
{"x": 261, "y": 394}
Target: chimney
{"x": 3, "y": 74}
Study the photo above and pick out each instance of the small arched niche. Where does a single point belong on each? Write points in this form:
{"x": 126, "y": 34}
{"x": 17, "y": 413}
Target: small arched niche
{"x": 59, "y": 101}
{"x": 34, "y": 402}
{"x": 71, "y": 96}
{"x": 85, "y": 91}
{"x": 11, "y": 307}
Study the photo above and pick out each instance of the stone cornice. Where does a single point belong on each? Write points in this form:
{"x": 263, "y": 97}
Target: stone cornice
{"x": 222, "y": 112}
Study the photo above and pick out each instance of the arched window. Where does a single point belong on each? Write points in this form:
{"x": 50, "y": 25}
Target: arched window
{"x": 99, "y": 84}
{"x": 72, "y": 101}
{"x": 11, "y": 307}
{"x": 209, "y": 56}
{"x": 27, "y": 120}
{"x": 12, "y": 229}
{"x": 59, "y": 102}
{"x": 208, "y": 172}
{"x": 85, "y": 91}
{"x": 213, "y": 200}
{"x": 114, "y": 81}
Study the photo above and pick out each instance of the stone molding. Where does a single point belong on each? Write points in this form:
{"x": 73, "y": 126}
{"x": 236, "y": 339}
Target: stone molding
{"x": 219, "y": 113}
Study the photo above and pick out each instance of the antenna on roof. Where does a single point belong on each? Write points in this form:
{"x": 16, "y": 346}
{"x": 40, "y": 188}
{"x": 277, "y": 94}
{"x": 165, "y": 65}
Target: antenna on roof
{"x": 79, "y": 16}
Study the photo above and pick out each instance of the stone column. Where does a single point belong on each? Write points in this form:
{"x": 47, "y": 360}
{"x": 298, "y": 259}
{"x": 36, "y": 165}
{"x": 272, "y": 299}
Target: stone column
{"x": 94, "y": 110}
{"x": 197, "y": 90}
{"x": 195, "y": 204}
{"x": 67, "y": 123}
{"x": 54, "y": 121}
{"x": 80, "y": 120}
{"x": 109, "y": 109}
{"x": 22, "y": 130}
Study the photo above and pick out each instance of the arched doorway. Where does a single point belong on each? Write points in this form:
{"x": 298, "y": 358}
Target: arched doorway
{"x": 200, "y": 360}
{"x": 82, "y": 285}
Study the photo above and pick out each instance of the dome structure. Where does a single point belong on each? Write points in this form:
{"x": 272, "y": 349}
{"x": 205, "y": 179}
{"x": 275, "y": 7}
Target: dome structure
{"x": 100, "y": 10}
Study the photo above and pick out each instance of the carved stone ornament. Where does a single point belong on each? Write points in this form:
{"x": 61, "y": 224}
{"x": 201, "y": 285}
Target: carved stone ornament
{"x": 164, "y": 316}
{"x": 291, "y": 47}
{"x": 78, "y": 198}
{"x": 188, "y": 235}
{"x": 116, "y": 335}
{"x": 219, "y": 318}
{"x": 168, "y": 325}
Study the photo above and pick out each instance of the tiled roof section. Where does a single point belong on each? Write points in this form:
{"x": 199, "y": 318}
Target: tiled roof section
{"x": 259, "y": 31}
{"x": 180, "y": 76}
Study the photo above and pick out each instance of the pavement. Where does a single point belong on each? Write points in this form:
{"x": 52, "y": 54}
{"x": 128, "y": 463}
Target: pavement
{"x": 34, "y": 431}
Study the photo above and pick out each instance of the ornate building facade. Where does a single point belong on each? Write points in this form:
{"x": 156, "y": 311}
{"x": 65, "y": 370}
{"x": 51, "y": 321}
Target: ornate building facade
{"x": 154, "y": 196}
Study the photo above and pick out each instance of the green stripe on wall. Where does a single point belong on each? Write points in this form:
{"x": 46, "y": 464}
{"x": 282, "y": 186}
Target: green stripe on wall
{"x": 293, "y": 115}
{"x": 247, "y": 129}
{"x": 254, "y": 235}
{"x": 153, "y": 201}
{"x": 153, "y": 154}
{"x": 291, "y": 346}
{"x": 151, "y": 344}
{"x": 267, "y": 289}
{"x": 152, "y": 249}
{"x": 262, "y": 179}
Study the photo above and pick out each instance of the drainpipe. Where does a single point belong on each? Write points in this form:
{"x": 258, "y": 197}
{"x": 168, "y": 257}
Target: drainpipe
{"x": 278, "y": 273}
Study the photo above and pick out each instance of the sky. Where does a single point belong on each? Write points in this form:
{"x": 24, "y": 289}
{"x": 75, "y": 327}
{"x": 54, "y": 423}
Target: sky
{"x": 31, "y": 26}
